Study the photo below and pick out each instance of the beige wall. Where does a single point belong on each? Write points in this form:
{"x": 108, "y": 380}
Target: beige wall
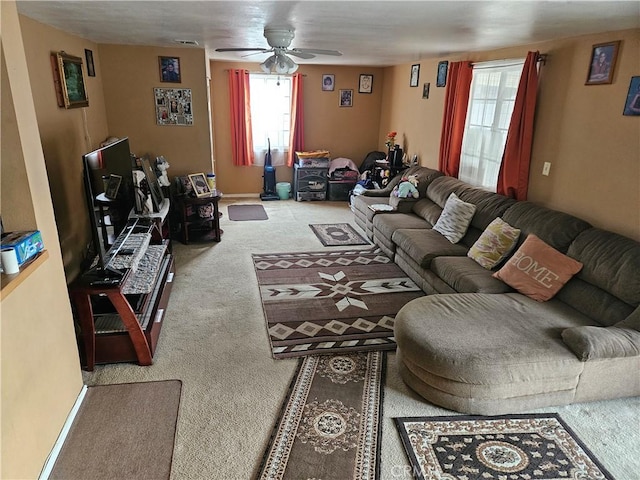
{"x": 593, "y": 148}
{"x": 40, "y": 367}
{"x": 349, "y": 132}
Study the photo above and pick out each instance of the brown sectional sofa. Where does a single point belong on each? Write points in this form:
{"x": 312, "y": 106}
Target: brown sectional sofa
{"x": 477, "y": 346}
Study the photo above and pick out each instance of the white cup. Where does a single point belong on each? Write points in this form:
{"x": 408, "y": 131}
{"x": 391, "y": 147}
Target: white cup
{"x": 9, "y": 261}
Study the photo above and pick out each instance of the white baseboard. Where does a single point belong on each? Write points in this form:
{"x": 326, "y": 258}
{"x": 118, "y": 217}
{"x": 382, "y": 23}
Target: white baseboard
{"x": 55, "y": 451}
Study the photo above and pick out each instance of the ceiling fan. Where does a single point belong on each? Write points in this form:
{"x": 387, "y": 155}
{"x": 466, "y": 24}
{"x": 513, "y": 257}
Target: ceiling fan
{"x": 279, "y": 40}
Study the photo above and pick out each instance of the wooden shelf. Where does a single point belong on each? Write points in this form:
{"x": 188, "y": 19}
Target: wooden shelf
{"x": 10, "y": 282}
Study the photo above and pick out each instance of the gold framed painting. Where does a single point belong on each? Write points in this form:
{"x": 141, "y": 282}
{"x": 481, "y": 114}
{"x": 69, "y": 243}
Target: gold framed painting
{"x": 70, "y": 81}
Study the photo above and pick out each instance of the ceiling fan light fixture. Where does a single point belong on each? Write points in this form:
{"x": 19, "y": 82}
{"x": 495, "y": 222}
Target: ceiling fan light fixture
{"x": 268, "y": 64}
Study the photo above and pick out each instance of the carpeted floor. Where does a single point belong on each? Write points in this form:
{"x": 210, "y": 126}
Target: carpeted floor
{"x": 214, "y": 340}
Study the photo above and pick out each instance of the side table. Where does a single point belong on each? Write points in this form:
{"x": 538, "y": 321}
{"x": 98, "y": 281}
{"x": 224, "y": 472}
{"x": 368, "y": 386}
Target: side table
{"x": 191, "y": 217}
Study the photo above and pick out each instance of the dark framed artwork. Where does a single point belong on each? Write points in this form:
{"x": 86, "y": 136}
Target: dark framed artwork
{"x": 603, "y": 62}
{"x": 328, "y": 82}
{"x": 113, "y": 185}
{"x": 441, "y": 78}
{"x": 415, "y": 75}
{"x": 346, "y": 98}
{"x": 425, "y": 90}
{"x": 91, "y": 69}
{"x": 199, "y": 184}
{"x": 366, "y": 83}
{"x": 170, "y": 69}
{"x": 632, "y": 105}
{"x": 70, "y": 81}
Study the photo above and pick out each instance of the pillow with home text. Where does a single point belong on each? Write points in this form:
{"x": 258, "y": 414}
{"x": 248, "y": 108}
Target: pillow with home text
{"x": 538, "y": 270}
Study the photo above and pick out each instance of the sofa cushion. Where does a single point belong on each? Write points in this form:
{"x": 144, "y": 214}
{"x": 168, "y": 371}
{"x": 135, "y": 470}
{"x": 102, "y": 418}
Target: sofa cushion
{"x": 538, "y": 270}
{"x": 465, "y": 276}
{"x": 496, "y": 242}
{"x": 455, "y": 218}
{"x": 589, "y": 343}
{"x": 387, "y": 223}
{"x": 424, "y": 245}
{"x": 427, "y": 209}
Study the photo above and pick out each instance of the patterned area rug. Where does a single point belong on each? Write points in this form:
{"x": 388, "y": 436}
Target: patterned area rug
{"x": 338, "y": 234}
{"x": 331, "y": 302}
{"x": 507, "y": 447}
{"x": 330, "y": 425}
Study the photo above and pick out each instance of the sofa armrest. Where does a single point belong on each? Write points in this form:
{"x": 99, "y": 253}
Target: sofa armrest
{"x": 591, "y": 343}
{"x": 402, "y": 205}
{"x": 383, "y": 192}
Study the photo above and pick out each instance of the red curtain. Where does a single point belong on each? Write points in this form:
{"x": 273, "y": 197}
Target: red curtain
{"x": 241, "y": 139}
{"x": 296, "y": 137}
{"x": 513, "y": 178}
{"x": 455, "y": 115}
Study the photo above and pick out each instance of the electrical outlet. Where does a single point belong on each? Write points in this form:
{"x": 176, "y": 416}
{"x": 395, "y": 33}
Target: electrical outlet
{"x": 546, "y": 168}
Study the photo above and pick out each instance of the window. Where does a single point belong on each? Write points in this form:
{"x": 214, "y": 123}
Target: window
{"x": 270, "y": 116}
{"x": 493, "y": 91}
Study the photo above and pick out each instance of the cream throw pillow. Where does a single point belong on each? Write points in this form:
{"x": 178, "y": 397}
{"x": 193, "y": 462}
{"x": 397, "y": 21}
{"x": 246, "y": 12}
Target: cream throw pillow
{"x": 495, "y": 243}
{"x": 538, "y": 270}
{"x": 455, "y": 218}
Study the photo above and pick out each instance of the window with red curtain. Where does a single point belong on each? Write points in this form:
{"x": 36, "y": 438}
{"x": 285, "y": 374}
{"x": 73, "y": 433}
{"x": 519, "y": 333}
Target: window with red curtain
{"x": 240, "y": 114}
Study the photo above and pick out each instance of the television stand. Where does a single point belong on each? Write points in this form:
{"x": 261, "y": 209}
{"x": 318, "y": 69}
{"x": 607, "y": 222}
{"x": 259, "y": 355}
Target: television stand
{"x": 120, "y": 316}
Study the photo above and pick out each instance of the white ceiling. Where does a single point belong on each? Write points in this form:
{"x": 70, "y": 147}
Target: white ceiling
{"x": 374, "y": 33}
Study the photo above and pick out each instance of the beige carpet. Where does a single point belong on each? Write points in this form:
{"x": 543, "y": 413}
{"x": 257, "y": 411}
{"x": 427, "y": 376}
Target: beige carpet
{"x": 214, "y": 340}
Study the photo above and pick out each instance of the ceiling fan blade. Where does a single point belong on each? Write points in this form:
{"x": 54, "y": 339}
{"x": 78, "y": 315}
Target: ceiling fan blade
{"x": 318, "y": 51}
{"x": 242, "y": 49}
{"x": 265, "y": 50}
{"x": 297, "y": 53}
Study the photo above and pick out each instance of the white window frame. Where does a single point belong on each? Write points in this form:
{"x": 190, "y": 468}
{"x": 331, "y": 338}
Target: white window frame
{"x": 491, "y": 101}
{"x": 270, "y": 116}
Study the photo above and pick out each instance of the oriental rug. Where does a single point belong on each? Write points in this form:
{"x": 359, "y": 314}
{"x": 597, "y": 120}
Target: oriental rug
{"x": 330, "y": 425}
{"x": 507, "y": 447}
{"x": 331, "y": 302}
{"x": 241, "y": 213}
{"x": 122, "y": 431}
{"x": 338, "y": 234}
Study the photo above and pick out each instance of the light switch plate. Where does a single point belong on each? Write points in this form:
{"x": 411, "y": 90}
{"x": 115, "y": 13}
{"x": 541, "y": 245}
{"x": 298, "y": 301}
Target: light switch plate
{"x": 546, "y": 168}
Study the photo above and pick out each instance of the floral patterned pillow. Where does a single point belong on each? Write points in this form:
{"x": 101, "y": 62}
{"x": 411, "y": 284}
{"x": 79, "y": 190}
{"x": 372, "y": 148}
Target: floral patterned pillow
{"x": 496, "y": 242}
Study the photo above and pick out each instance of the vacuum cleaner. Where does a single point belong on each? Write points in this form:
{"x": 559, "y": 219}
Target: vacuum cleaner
{"x": 269, "y": 176}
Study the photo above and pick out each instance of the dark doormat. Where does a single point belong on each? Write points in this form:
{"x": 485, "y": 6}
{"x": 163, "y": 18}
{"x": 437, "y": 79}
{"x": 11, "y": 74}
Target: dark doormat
{"x": 242, "y": 213}
{"x": 335, "y": 234}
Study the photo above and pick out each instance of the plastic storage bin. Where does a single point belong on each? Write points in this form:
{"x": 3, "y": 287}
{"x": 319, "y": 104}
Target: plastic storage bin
{"x": 283, "y": 189}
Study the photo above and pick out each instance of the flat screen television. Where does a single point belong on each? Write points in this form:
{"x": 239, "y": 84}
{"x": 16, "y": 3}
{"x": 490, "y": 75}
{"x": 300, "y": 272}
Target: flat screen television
{"x": 101, "y": 167}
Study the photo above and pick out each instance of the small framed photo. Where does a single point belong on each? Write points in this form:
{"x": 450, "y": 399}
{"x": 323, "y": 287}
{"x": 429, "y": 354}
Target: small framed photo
{"x": 91, "y": 69}
{"x": 425, "y": 90}
{"x": 603, "y": 62}
{"x": 71, "y": 81}
{"x": 441, "y": 78}
{"x": 366, "y": 83}
{"x": 632, "y": 105}
{"x": 199, "y": 184}
{"x": 170, "y": 69}
{"x": 328, "y": 82}
{"x": 346, "y": 98}
{"x": 415, "y": 75}
{"x": 113, "y": 185}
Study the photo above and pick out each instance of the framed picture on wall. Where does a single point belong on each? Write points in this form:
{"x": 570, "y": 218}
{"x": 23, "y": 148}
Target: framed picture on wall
{"x": 603, "y": 62}
{"x": 632, "y": 105}
{"x": 366, "y": 83}
{"x": 70, "y": 81}
{"x": 425, "y": 90}
{"x": 91, "y": 69}
{"x": 170, "y": 69}
{"x": 173, "y": 106}
{"x": 415, "y": 75}
{"x": 346, "y": 98}
{"x": 441, "y": 79}
{"x": 328, "y": 82}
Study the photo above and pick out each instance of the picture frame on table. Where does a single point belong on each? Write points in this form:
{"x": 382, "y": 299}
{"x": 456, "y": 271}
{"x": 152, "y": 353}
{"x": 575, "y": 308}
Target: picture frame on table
{"x": 366, "y": 83}
{"x": 415, "y": 75}
{"x": 199, "y": 184}
{"x": 632, "y": 104}
{"x": 69, "y": 81}
{"x": 113, "y": 185}
{"x": 346, "y": 98}
{"x": 603, "y": 63}
{"x": 91, "y": 68}
{"x": 441, "y": 78}
{"x": 425, "y": 90}
{"x": 328, "y": 82}
{"x": 170, "y": 71}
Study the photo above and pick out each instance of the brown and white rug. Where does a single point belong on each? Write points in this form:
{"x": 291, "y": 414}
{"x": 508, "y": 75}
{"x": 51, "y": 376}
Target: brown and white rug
{"x": 331, "y": 302}
{"x": 330, "y": 424}
{"x": 506, "y": 447}
{"x": 338, "y": 234}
